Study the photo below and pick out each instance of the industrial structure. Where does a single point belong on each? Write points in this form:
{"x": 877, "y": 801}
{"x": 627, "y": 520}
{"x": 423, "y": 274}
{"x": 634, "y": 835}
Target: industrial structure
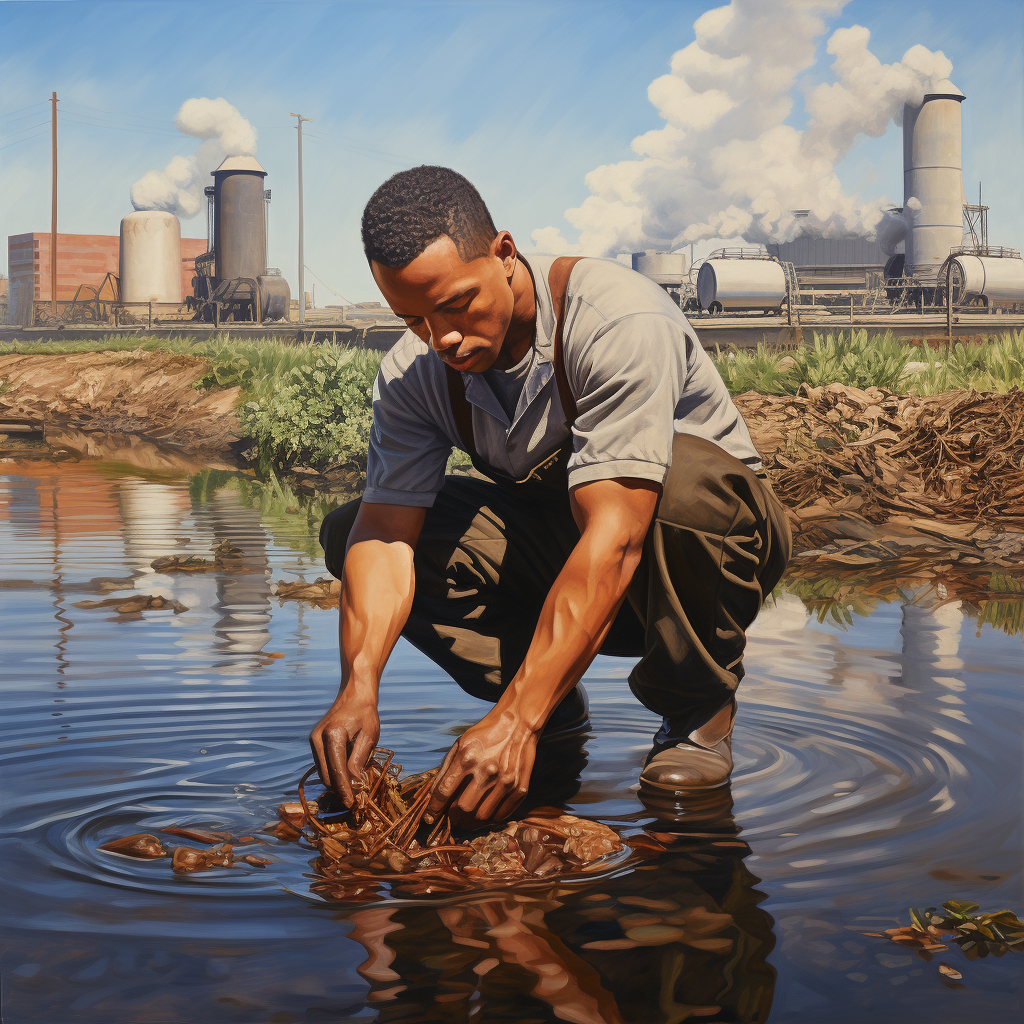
{"x": 232, "y": 279}
{"x": 148, "y": 273}
{"x": 945, "y": 258}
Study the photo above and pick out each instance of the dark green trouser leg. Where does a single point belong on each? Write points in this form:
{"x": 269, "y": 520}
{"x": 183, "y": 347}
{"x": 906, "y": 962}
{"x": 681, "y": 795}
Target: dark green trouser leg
{"x": 718, "y": 546}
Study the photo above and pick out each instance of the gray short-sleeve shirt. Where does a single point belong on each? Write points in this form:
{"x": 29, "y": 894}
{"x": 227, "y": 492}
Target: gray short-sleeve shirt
{"x": 634, "y": 365}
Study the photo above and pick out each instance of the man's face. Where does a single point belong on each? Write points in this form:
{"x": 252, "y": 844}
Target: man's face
{"x": 462, "y": 310}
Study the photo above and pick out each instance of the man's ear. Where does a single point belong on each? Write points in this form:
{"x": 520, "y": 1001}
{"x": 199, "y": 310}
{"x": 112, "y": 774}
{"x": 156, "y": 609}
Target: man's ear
{"x": 504, "y": 247}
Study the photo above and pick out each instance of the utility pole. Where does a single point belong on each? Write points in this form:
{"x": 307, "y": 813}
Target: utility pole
{"x": 53, "y": 212}
{"x": 302, "y": 286}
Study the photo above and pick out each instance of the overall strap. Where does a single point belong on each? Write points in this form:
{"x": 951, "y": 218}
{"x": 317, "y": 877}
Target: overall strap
{"x": 558, "y": 281}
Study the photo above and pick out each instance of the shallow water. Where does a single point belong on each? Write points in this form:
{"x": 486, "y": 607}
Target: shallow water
{"x": 878, "y": 767}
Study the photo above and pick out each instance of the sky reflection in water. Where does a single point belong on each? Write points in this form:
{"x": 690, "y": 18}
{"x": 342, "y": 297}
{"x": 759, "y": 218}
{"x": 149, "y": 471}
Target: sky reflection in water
{"x": 877, "y": 767}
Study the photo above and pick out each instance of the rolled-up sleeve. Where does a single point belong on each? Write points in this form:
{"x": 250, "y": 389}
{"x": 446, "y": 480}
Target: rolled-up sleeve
{"x": 408, "y": 452}
{"x": 627, "y": 379}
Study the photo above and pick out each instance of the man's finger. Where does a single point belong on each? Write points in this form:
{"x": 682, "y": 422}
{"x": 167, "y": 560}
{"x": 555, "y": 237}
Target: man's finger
{"x": 443, "y": 784}
{"x": 337, "y": 759}
{"x": 362, "y": 748}
{"x": 500, "y": 801}
{"x": 319, "y": 760}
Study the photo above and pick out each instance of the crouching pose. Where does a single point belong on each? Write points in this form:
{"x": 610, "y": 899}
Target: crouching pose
{"x": 618, "y": 505}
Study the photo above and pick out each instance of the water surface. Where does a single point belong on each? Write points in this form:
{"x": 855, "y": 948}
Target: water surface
{"x": 878, "y": 767}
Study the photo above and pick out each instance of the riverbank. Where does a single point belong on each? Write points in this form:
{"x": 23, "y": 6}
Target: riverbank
{"x": 867, "y": 474}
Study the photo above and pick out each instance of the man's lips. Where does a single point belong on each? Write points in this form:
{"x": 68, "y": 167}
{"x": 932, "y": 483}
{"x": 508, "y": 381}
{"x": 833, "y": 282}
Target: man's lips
{"x": 458, "y": 363}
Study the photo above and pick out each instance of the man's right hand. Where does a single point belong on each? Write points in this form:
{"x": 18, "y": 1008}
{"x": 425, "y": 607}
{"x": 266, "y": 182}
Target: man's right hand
{"x": 343, "y": 741}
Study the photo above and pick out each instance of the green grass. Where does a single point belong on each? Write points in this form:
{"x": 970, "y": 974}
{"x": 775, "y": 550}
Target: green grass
{"x": 860, "y": 360}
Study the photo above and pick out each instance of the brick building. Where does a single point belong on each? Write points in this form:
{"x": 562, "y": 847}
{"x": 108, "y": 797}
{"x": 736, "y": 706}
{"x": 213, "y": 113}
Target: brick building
{"x": 81, "y": 259}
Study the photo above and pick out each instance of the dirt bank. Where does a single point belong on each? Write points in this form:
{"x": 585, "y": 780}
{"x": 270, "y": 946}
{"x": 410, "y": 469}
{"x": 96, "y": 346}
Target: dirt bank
{"x": 133, "y": 399}
{"x": 867, "y": 475}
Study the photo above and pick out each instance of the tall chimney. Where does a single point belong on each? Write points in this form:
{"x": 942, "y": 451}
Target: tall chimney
{"x": 932, "y": 174}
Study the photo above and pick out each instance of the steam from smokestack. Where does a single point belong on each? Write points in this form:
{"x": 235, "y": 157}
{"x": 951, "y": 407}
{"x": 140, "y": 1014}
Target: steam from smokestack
{"x": 726, "y": 164}
{"x": 178, "y": 188}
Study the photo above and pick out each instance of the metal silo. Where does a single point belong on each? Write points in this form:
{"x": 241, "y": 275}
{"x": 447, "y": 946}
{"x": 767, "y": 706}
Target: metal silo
{"x": 150, "y": 257}
{"x": 932, "y": 174}
{"x": 239, "y": 224}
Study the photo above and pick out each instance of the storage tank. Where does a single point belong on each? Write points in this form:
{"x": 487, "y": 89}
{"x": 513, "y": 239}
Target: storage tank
{"x": 999, "y": 280}
{"x": 239, "y": 219}
{"x": 741, "y": 284}
{"x": 664, "y": 268}
{"x": 150, "y": 257}
{"x": 932, "y": 174}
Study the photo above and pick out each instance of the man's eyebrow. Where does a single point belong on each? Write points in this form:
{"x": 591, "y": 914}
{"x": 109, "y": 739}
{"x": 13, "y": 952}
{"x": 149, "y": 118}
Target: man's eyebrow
{"x": 439, "y": 306}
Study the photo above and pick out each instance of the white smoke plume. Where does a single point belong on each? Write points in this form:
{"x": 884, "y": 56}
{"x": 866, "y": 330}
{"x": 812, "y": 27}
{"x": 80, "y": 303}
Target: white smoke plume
{"x": 178, "y": 188}
{"x": 726, "y": 164}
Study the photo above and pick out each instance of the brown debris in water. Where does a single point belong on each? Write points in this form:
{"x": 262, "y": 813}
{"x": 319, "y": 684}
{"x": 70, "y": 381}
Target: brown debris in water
{"x": 187, "y": 860}
{"x": 227, "y": 557}
{"x": 380, "y": 841}
{"x": 321, "y": 593}
{"x": 933, "y": 930}
{"x": 135, "y": 603}
{"x": 141, "y": 846}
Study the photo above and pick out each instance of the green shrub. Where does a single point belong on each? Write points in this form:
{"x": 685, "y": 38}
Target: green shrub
{"x": 317, "y": 413}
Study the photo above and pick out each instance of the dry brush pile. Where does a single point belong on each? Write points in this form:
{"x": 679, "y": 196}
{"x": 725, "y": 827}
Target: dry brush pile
{"x": 952, "y": 457}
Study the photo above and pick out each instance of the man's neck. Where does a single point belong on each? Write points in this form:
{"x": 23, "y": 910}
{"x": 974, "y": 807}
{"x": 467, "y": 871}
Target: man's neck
{"x": 523, "y": 326}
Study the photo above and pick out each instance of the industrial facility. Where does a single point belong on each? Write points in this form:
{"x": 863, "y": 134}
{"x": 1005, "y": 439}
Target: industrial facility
{"x": 149, "y": 274}
{"x": 945, "y": 261}
{"x": 937, "y": 264}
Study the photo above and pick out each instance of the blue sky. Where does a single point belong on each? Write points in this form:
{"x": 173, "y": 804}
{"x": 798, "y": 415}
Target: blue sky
{"x": 523, "y": 97}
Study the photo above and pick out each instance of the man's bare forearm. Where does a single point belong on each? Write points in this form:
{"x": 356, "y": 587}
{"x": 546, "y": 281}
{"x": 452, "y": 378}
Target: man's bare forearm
{"x": 376, "y": 597}
{"x": 580, "y": 607}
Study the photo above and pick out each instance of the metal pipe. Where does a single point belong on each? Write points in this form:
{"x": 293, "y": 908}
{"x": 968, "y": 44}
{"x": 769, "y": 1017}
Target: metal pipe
{"x": 302, "y": 287}
{"x": 53, "y": 211}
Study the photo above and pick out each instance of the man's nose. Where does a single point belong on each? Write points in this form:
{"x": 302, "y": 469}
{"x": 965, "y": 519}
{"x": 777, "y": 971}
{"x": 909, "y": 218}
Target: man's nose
{"x": 444, "y": 339}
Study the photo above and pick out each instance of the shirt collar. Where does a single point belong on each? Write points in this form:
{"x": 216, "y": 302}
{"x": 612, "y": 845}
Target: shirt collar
{"x": 479, "y": 393}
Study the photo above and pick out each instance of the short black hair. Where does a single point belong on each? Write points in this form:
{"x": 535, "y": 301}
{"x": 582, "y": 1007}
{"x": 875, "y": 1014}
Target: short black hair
{"x": 416, "y": 207}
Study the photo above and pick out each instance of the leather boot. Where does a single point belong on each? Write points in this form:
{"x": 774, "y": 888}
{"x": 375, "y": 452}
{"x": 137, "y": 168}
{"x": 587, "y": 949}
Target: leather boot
{"x": 691, "y": 761}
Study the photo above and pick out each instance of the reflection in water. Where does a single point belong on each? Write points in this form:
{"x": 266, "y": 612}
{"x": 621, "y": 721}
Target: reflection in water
{"x": 681, "y": 937}
{"x": 871, "y": 774}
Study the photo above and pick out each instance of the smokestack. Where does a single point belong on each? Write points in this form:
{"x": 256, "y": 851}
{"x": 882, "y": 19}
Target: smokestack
{"x": 239, "y": 224}
{"x": 933, "y": 178}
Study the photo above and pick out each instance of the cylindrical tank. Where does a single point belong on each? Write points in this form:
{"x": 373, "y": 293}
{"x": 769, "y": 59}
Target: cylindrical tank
{"x": 932, "y": 174}
{"x": 997, "y": 279}
{"x": 664, "y": 268}
{"x": 150, "y": 257}
{"x": 741, "y": 284}
{"x": 239, "y": 219}
{"x": 275, "y": 297}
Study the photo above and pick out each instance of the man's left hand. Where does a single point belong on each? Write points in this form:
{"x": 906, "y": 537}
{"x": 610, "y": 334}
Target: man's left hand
{"x": 487, "y": 772}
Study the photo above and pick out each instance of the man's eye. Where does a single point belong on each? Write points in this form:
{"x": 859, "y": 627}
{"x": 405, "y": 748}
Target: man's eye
{"x": 457, "y": 309}
{"x": 412, "y": 321}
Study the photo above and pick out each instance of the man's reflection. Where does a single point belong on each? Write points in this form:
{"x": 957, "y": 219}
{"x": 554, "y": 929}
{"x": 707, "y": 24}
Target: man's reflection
{"x": 680, "y": 936}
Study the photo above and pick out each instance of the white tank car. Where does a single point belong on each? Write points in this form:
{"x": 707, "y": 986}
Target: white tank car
{"x": 741, "y": 284}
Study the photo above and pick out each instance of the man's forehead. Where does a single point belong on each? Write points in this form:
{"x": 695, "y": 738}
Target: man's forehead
{"x": 438, "y": 273}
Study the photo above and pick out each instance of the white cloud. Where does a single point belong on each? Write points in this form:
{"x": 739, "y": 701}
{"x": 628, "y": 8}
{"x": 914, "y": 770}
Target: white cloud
{"x": 727, "y": 163}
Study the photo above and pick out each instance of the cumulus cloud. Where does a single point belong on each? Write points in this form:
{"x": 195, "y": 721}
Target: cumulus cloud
{"x": 178, "y": 188}
{"x": 726, "y": 163}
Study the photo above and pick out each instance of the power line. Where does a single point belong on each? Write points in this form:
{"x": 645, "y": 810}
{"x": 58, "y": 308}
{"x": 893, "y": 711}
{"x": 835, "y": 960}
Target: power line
{"x": 38, "y": 135}
{"x": 8, "y": 135}
{"x": 348, "y": 302}
{"x": 11, "y": 113}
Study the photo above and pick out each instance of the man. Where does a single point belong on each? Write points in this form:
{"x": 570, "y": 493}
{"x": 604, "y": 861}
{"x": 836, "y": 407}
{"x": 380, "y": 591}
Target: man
{"x": 618, "y": 507}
